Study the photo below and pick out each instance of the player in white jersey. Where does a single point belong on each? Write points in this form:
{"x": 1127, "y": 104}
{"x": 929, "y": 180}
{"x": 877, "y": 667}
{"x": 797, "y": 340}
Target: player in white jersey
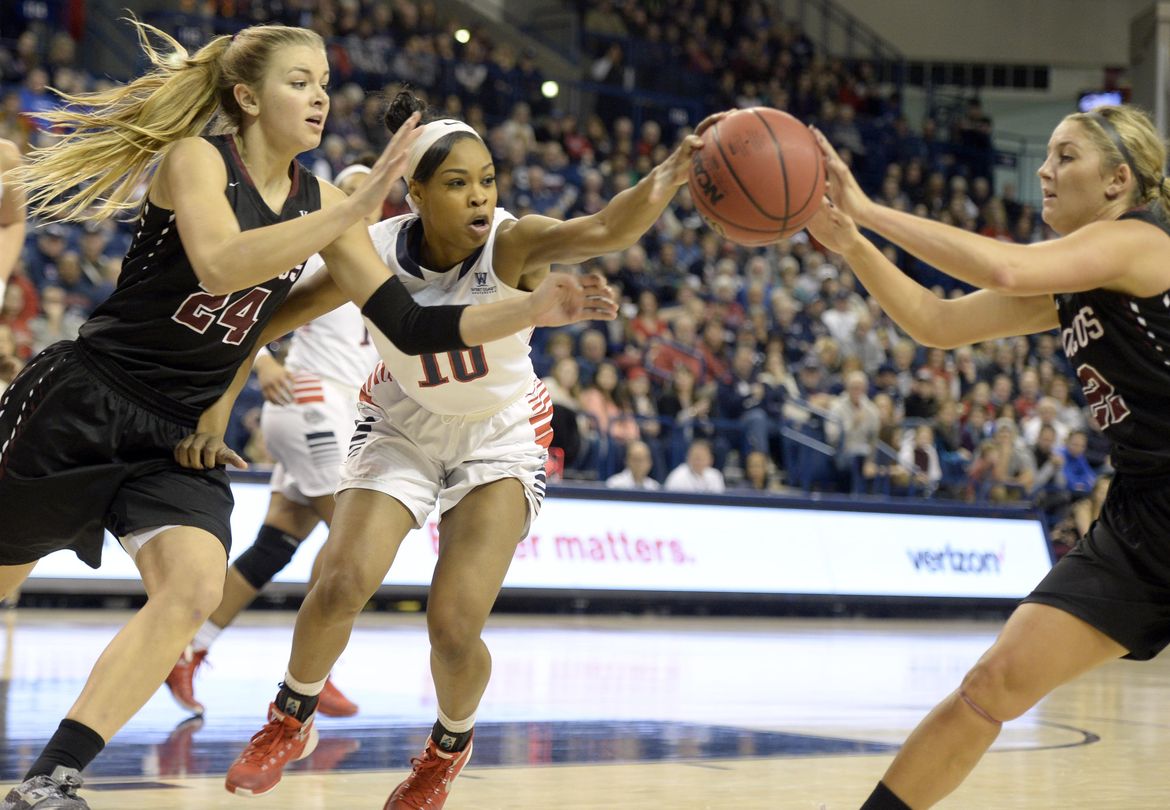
{"x": 11, "y": 214}
{"x": 307, "y": 421}
{"x": 467, "y": 430}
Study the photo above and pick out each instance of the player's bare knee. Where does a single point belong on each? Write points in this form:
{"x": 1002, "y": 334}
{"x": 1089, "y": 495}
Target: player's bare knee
{"x": 452, "y": 636}
{"x": 988, "y": 689}
{"x": 190, "y": 599}
{"x": 343, "y": 590}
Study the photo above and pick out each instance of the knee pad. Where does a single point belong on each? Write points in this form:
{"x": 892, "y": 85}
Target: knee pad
{"x": 271, "y": 552}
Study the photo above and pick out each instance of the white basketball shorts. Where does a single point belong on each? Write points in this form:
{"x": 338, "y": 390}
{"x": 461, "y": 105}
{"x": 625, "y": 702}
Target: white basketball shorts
{"x": 308, "y": 438}
{"x": 420, "y": 458}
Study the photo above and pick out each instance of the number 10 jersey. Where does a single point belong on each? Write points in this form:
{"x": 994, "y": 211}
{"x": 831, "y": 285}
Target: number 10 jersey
{"x": 477, "y": 381}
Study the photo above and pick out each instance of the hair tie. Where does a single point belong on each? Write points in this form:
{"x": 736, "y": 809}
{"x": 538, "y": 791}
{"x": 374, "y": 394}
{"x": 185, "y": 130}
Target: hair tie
{"x": 1115, "y": 136}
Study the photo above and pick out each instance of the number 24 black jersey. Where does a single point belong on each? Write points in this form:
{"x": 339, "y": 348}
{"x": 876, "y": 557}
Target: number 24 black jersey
{"x": 1119, "y": 348}
{"x": 161, "y": 328}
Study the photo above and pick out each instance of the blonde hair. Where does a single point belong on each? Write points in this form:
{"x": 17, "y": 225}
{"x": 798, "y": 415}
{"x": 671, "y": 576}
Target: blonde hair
{"x": 1134, "y": 141}
{"x": 114, "y": 139}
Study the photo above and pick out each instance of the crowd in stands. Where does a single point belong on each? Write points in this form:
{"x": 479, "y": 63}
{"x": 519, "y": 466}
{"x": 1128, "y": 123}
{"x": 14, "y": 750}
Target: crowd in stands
{"x": 760, "y": 370}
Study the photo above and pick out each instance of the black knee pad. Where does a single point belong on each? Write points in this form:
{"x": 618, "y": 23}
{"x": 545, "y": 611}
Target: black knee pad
{"x": 271, "y": 552}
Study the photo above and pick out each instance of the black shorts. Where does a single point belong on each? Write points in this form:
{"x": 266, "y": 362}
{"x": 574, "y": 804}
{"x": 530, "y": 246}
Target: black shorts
{"x": 79, "y": 453}
{"x": 1117, "y": 578}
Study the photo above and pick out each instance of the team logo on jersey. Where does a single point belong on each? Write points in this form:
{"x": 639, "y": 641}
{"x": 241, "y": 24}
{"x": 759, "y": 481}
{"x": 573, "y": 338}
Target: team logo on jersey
{"x": 481, "y": 284}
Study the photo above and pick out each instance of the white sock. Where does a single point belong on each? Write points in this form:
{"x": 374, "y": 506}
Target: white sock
{"x": 458, "y": 726}
{"x": 204, "y": 636}
{"x": 306, "y": 689}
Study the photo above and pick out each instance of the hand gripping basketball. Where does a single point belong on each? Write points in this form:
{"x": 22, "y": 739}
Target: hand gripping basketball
{"x": 759, "y": 177}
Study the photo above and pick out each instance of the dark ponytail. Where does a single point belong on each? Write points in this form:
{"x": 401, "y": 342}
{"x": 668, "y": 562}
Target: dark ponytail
{"x": 401, "y": 107}
{"x": 404, "y": 105}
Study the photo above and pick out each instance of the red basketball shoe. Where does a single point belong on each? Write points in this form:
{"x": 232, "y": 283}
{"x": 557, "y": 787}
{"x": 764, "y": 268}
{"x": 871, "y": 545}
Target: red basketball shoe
{"x": 332, "y": 703}
{"x": 430, "y": 779}
{"x": 181, "y": 681}
{"x": 283, "y": 739}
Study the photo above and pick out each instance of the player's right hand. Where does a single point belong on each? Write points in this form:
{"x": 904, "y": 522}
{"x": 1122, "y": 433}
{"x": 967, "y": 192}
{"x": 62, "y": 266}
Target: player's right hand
{"x": 206, "y": 451}
{"x": 275, "y": 382}
{"x": 563, "y": 298}
{"x": 368, "y": 197}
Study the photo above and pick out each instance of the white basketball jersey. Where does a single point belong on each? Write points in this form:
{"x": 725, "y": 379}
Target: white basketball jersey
{"x": 335, "y": 346}
{"x": 479, "y": 380}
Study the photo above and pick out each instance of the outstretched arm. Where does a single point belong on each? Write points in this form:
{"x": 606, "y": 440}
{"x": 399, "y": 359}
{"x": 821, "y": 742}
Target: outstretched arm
{"x": 534, "y": 242}
{"x": 191, "y": 181}
{"x": 928, "y": 319}
{"x": 1121, "y": 256}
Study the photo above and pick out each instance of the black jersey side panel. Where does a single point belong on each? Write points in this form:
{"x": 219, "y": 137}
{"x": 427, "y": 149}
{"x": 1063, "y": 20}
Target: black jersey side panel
{"x": 161, "y": 328}
{"x": 1119, "y": 348}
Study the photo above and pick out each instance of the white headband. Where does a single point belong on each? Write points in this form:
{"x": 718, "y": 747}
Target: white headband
{"x": 350, "y": 171}
{"x": 430, "y": 133}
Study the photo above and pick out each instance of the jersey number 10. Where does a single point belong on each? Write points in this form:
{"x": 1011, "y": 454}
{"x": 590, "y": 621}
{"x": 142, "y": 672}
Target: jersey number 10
{"x": 466, "y": 365}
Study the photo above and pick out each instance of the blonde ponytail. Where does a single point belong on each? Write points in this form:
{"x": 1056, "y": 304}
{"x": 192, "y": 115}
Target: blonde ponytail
{"x": 111, "y": 141}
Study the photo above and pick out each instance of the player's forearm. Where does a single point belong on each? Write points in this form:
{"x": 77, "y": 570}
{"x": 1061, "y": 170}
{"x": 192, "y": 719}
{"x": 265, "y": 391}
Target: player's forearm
{"x": 970, "y": 257}
{"x": 913, "y": 307}
{"x": 483, "y": 324}
{"x": 630, "y": 214}
{"x": 257, "y": 255}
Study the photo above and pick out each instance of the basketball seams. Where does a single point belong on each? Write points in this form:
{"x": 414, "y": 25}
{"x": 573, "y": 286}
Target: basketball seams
{"x": 783, "y": 168}
{"x": 721, "y": 209}
{"x": 727, "y": 164}
{"x": 818, "y": 183}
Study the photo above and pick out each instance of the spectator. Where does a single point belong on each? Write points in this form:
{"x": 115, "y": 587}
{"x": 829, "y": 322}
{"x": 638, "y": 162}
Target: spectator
{"x": 742, "y": 403}
{"x": 757, "y": 474}
{"x": 921, "y": 403}
{"x": 1046, "y": 414}
{"x": 636, "y": 474}
{"x": 1080, "y": 479}
{"x": 607, "y": 405}
{"x": 854, "y": 432}
{"x": 1015, "y": 467}
{"x": 687, "y": 409}
{"x": 696, "y": 474}
{"x": 919, "y": 456}
{"x": 564, "y": 389}
{"x": 57, "y": 320}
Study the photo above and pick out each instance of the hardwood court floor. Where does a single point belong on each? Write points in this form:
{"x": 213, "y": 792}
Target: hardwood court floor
{"x": 587, "y": 713}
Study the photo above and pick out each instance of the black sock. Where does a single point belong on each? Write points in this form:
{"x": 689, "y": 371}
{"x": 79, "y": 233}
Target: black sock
{"x": 450, "y": 741}
{"x": 73, "y": 745}
{"x": 883, "y": 798}
{"x": 295, "y": 704}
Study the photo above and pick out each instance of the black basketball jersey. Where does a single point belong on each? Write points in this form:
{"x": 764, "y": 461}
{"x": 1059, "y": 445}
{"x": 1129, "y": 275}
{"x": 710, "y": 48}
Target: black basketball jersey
{"x": 161, "y": 328}
{"x": 1119, "y": 348}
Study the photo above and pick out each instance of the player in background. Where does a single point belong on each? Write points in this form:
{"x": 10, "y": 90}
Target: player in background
{"x": 91, "y": 430}
{"x": 308, "y": 416}
{"x": 466, "y": 430}
{"x": 1105, "y": 284}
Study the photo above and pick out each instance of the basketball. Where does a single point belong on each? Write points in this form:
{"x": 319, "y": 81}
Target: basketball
{"x": 759, "y": 177}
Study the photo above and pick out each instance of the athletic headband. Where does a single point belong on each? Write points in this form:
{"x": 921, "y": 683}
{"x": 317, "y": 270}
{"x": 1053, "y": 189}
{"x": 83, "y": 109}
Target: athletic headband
{"x": 1115, "y": 136}
{"x": 430, "y": 133}
{"x": 350, "y": 171}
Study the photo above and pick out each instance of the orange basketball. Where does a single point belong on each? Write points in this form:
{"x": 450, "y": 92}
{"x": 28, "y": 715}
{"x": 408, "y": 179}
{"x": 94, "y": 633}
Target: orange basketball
{"x": 759, "y": 177}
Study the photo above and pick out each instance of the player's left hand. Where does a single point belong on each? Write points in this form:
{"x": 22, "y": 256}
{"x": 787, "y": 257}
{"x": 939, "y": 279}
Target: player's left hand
{"x": 563, "y": 298}
{"x": 833, "y": 228}
{"x": 206, "y": 451}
